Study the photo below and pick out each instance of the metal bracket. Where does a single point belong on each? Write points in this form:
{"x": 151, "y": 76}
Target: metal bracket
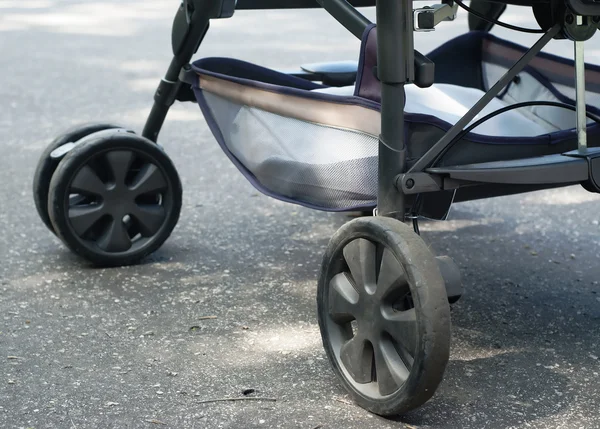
{"x": 417, "y": 183}
{"x": 592, "y": 156}
{"x": 580, "y": 92}
{"x": 428, "y": 17}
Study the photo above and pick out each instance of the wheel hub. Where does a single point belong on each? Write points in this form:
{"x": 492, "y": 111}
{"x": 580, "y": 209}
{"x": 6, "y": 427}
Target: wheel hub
{"x": 119, "y": 201}
{"x": 121, "y": 206}
{"x": 379, "y": 353}
{"x": 372, "y": 315}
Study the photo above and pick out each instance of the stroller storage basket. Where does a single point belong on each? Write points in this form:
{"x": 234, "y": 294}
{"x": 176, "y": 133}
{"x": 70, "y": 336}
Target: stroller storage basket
{"x": 317, "y": 146}
{"x": 293, "y": 143}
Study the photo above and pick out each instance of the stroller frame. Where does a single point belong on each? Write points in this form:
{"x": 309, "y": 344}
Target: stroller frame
{"x": 399, "y": 64}
{"x": 382, "y": 298}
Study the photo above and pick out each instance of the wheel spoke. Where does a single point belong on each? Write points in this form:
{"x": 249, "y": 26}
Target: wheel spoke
{"x": 149, "y": 180}
{"x": 402, "y": 326}
{"x": 360, "y": 256}
{"x": 87, "y": 182}
{"x": 149, "y": 217}
{"x": 82, "y": 218}
{"x": 115, "y": 238}
{"x": 391, "y": 275}
{"x": 119, "y": 163}
{"x": 357, "y": 357}
{"x": 390, "y": 371}
{"x": 342, "y": 299}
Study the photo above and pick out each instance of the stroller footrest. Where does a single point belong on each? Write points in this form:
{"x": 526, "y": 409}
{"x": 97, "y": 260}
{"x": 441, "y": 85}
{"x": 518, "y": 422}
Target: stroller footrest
{"x": 566, "y": 168}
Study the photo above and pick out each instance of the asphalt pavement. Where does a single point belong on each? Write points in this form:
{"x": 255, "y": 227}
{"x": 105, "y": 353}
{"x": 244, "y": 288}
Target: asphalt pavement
{"x": 228, "y": 306}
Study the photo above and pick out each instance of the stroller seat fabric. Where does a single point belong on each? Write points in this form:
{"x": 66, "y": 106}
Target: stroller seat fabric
{"x": 317, "y": 146}
{"x": 451, "y": 102}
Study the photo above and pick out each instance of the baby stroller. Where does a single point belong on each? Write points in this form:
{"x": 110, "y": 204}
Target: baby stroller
{"x": 398, "y": 133}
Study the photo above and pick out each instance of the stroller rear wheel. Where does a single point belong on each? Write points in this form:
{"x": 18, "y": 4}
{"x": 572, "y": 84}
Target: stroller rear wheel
{"x": 115, "y": 198}
{"x": 47, "y": 165}
{"x": 384, "y": 315}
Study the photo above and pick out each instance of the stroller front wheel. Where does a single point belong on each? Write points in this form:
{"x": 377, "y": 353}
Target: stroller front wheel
{"x": 115, "y": 198}
{"x": 384, "y": 315}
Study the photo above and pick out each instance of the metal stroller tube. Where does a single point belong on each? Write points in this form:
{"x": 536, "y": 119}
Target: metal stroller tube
{"x": 580, "y": 97}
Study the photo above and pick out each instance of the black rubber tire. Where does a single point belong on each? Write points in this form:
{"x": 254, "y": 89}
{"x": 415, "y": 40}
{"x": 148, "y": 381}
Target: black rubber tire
{"x": 47, "y": 165}
{"x": 75, "y": 160}
{"x": 429, "y": 296}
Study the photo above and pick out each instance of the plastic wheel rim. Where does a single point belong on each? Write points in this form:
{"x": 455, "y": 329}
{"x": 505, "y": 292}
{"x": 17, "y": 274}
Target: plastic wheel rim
{"x": 368, "y": 285}
{"x": 118, "y": 201}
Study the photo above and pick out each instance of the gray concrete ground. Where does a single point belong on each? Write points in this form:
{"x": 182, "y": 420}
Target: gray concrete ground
{"x": 126, "y": 348}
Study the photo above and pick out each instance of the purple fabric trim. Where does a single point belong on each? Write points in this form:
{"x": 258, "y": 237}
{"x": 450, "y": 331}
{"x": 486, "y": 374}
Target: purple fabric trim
{"x": 244, "y": 70}
{"x": 212, "y": 124}
{"x": 239, "y": 67}
{"x": 367, "y": 85}
{"x": 499, "y": 59}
